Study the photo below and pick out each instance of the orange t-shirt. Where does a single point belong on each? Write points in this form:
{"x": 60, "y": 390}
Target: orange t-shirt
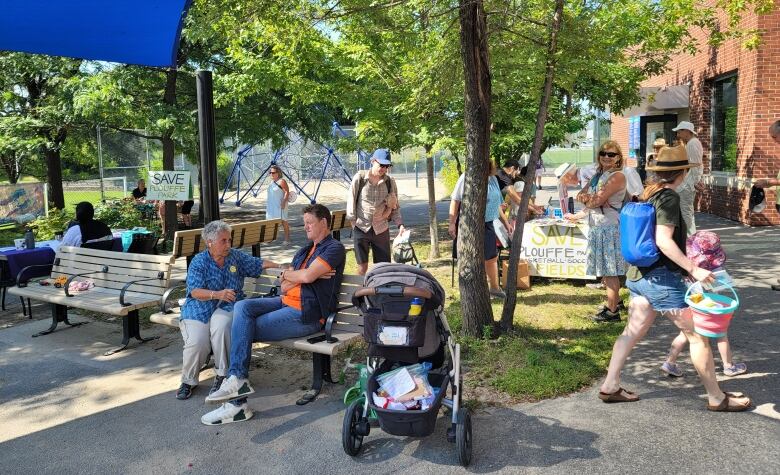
{"x": 293, "y": 296}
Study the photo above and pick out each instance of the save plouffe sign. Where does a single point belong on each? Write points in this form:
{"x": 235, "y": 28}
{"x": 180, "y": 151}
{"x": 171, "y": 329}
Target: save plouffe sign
{"x": 168, "y": 185}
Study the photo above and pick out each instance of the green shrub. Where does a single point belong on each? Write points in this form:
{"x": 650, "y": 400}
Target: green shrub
{"x": 119, "y": 214}
{"x": 55, "y": 222}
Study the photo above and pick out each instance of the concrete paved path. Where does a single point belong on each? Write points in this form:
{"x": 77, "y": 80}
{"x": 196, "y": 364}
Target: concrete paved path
{"x": 65, "y": 408}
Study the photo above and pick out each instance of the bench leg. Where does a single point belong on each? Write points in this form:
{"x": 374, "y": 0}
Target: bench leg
{"x": 130, "y": 329}
{"x": 321, "y": 372}
{"x": 59, "y": 313}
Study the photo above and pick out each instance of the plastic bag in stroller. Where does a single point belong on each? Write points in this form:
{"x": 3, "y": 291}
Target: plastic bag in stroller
{"x": 397, "y": 336}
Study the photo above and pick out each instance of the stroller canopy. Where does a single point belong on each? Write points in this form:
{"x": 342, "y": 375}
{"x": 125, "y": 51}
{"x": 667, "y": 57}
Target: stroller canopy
{"x": 387, "y": 273}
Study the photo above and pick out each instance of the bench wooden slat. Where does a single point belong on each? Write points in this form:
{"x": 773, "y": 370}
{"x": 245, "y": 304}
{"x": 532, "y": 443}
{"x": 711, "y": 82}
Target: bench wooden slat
{"x": 94, "y": 300}
{"x": 188, "y": 243}
{"x": 134, "y": 268}
{"x": 89, "y": 254}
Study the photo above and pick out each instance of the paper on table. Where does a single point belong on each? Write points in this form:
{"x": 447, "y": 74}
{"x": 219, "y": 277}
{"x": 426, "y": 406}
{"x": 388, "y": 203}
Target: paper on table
{"x": 398, "y": 384}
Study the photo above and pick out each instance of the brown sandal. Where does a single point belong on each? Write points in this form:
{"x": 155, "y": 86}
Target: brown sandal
{"x": 725, "y": 407}
{"x": 621, "y": 395}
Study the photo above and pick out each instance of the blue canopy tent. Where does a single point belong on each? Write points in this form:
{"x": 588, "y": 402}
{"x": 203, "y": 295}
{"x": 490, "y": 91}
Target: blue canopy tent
{"x": 141, "y": 32}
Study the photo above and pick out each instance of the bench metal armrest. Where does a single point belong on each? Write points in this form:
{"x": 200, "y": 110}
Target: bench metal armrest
{"x": 166, "y": 296}
{"x": 330, "y": 321}
{"x": 20, "y": 282}
{"x": 160, "y": 276}
{"x": 103, "y": 270}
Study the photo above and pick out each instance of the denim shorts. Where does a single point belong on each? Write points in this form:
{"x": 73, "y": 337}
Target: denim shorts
{"x": 664, "y": 289}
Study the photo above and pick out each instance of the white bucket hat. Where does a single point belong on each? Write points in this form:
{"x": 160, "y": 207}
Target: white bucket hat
{"x": 563, "y": 169}
{"x": 685, "y": 125}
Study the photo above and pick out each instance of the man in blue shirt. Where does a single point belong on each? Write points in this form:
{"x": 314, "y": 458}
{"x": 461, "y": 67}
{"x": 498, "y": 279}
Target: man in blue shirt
{"x": 309, "y": 294}
{"x": 215, "y": 281}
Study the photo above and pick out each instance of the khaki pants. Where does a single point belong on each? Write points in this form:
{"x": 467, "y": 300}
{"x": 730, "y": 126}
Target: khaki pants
{"x": 686, "y": 207}
{"x": 200, "y": 339}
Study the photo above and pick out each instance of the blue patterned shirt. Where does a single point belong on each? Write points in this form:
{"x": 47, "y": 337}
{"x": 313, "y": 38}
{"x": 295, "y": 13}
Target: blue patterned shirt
{"x": 204, "y": 273}
{"x": 494, "y": 200}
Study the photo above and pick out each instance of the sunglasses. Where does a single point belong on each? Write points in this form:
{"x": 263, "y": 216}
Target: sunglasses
{"x": 384, "y": 166}
{"x": 608, "y": 154}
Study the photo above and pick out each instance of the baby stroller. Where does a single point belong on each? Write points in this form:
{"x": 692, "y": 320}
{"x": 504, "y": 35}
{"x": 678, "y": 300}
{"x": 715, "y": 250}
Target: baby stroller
{"x": 395, "y": 339}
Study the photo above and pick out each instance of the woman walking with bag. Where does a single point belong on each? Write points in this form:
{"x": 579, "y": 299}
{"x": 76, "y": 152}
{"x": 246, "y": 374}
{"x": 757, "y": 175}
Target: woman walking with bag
{"x": 276, "y": 200}
{"x": 659, "y": 288}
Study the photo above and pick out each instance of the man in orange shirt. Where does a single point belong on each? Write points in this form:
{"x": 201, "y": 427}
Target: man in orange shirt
{"x": 309, "y": 294}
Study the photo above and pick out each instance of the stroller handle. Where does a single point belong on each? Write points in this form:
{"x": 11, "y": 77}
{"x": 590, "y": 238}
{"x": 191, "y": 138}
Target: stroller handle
{"x": 394, "y": 291}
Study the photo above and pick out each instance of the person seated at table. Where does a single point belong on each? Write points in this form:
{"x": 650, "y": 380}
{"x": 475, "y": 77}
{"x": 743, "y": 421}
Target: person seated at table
{"x": 139, "y": 193}
{"x": 309, "y": 293}
{"x": 86, "y": 229}
{"x": 215, "y": 282}
{"x": 518, "y": 185}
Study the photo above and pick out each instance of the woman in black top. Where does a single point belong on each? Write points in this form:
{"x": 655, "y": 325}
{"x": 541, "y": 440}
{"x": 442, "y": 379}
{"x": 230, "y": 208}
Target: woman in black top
{"x": 139, "y": 193}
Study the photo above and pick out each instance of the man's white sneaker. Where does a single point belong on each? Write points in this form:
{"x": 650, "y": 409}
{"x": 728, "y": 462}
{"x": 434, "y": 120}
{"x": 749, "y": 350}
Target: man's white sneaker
{"x": 227, "y": 413}
{"x": 231, "y": 388}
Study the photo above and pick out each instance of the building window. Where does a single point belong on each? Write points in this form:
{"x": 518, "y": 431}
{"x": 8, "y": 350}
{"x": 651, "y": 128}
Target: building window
{"x": 724, "y": 123}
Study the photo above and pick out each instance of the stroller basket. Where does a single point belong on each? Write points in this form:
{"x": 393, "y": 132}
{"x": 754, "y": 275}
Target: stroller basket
{"x": 410, "y": 423}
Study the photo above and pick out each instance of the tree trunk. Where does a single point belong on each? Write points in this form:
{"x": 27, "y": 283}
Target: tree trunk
{"x": 54, "y": 168}
{"x": 433, "y": 226}
{"x": 169, "y": 98}
{"x": 475, "y": 299}
{"x": 10, "y": 165}
{"x": 507, "y": 315}
{"x": 458, "y": 166}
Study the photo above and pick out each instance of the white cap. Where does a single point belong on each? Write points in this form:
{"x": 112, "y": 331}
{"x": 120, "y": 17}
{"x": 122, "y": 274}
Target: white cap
{"x": 685, "y": 125}
{"x": 563, "y": 169}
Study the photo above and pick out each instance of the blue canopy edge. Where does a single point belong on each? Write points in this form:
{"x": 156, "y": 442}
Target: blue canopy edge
{"x": 142, "y": 32}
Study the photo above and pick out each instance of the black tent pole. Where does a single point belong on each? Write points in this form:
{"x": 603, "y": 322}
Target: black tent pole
{"x": 208, "y": 150}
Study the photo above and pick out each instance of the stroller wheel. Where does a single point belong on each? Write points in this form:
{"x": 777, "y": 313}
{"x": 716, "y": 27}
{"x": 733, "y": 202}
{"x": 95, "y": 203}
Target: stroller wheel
{"x": 351, "y": 439}
{"x": 463, "y": 437}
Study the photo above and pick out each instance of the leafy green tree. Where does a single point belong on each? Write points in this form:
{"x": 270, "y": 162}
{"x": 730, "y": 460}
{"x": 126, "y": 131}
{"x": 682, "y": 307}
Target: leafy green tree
{"x": 36, "y": 97}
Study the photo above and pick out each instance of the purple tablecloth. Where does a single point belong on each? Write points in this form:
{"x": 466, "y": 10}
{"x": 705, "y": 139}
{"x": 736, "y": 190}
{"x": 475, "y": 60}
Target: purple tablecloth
{"x": 19, "y": 259}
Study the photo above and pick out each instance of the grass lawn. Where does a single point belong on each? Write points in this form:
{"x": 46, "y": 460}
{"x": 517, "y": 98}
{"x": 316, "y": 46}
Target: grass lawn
{"x": 72, "y": 198}
{"x": 554, "y": 349}
{"x": 553, "y": 158}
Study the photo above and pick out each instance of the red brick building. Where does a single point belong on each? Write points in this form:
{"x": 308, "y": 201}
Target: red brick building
{"x": 733, "y": 96}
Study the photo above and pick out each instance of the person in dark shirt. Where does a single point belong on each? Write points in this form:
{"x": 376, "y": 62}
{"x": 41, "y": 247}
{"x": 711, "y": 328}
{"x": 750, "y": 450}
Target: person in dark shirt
{"x": 139, "y": 193}
{"x": 659, "y": 288}
{"x": 86, "y": 229}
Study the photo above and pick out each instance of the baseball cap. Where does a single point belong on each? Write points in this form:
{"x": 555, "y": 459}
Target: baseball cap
{"x": 382, "y": 156}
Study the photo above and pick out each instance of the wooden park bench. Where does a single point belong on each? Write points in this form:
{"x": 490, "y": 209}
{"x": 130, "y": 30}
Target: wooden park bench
{"x": 124, "y": 283}
{"x": 341, "y": 328}
{"x": 188, "y": 243}
{"x": 338, "y": 222}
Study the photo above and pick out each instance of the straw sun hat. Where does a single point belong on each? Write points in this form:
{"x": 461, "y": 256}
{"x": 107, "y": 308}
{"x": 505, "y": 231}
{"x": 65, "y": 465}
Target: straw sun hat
{"x": 672, "y": 158}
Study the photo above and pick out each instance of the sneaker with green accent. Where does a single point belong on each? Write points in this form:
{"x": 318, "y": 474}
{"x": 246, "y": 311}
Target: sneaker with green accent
{"x": 231, "y": 388}
{"x": 227, "y": 413}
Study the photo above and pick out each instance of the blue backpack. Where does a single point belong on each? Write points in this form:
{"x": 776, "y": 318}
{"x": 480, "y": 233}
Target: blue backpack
{"x": 637, "y": 234}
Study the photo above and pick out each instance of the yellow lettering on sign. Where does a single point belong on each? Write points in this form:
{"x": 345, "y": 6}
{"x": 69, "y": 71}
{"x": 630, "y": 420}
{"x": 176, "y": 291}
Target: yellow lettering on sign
{"x": 538, "y": 238}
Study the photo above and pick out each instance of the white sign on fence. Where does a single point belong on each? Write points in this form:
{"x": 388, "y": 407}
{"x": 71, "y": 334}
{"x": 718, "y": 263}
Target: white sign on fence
{"x": 558, "y": 251}
{"x": 168, "y": 185}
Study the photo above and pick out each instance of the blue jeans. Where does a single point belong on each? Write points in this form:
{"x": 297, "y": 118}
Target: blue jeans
{"x": 262, "y": 319}
{"x": 664, "y": 289}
